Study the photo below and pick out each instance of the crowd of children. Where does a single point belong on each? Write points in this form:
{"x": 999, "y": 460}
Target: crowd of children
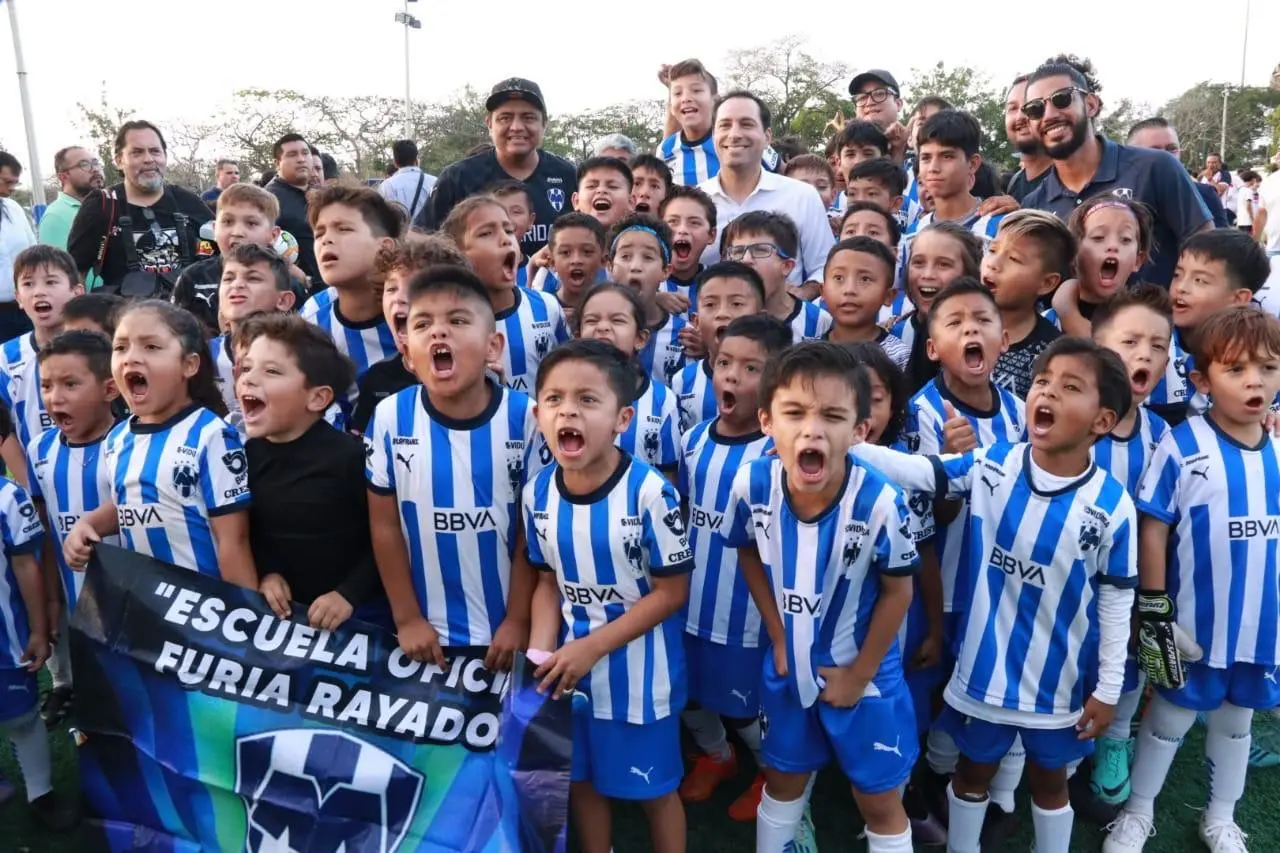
{"x": 903, "y": 530}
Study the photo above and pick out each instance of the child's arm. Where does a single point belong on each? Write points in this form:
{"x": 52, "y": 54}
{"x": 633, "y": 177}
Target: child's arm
{"x": 31, "y": 585}
{"x": 1066, "y": 303}
{"x": 91, "y": 527}
{"x": 1116, "y": 573}
{"x": 939, "y": 476}
{"x": 333, "y": 608}
{"x": 14, "y": 459}
{"x": 513, "y": 633}
{"x": 931, "y": 593}
{"x": 761, "y": 590}
{"x": 415, "y": 634}
{"x": 235, "y": 558}
{"x": 544, "y": 614}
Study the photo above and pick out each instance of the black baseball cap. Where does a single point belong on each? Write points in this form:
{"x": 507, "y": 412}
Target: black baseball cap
{"x": 879, "y": 75}
{"x": 515, "y": 89}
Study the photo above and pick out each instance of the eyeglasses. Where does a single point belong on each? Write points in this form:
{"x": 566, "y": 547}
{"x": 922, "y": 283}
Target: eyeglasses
{"x": 87, "y": 165}
{"x": 1061, "y": 99}
{"x": 757, "y": 251}
{"x": 875, "y": 96}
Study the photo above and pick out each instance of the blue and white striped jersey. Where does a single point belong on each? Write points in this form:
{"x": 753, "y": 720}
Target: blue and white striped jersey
{"x": 825, "y": 573}
{"x": 720, "y": 606}
{"x": 17, "y": 353}
{"x": 693, "y": 163}
{"x": 663, "y": 355}
{"x": 1037, "y": 556}
{"x": 1174, "y": 387}
{"x": 532, "y": 327}
{"x": 899, "y": 307}
{"x": 922, "y": 434}
{"x": 606, "y": 548}
{"x": 683, "y": 287}
{"x": 20, "y": 393}
{"x": 317, "y": 303}
{"x": 365, "y": 343}
{"x": 1223, "y": 502}
{"x": 695, "y": 393}
{"x": 907, "y": 327}
{"x": 808, "y": 322}
{"x": 983, "y": 227}
{"x": 1127, "y": 459}
{"x": 224, "y": 374}
{"x": 653, "y": 436}
{"x": 911, "y": 211}
{"x": 71, "y": 480}
{"x": 21, "y": 533}
{"x": 457, "y": 486}
{"x": 168, "y": 480}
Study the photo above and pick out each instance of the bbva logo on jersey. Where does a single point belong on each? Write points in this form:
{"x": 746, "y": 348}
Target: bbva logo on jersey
{"x": 308, "y": 789}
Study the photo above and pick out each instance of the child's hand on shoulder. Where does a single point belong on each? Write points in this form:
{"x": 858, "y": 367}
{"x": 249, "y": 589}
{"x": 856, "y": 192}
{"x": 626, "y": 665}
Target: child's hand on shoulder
{"x": 421, "y": 642}
{"x": 843, "y": 689}
{"x": 997, "y": 205}
{"x": 511, "y": 636}
{"x": 36, "y": 652}
{"x": 329, "y": 611}
{"x": 275, "y": 589}
{"x": 957, "y": 433}
{"x": 672, "y": 303}
{"x": 79, "y": 544}
{"x": 1095, "y": 718}
{"x": 567, "y": 666}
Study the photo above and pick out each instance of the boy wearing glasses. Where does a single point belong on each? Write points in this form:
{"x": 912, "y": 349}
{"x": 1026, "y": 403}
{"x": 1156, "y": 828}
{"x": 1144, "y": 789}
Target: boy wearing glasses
{"x": 768, "y": 243}
{"x": 1061, "y": 107}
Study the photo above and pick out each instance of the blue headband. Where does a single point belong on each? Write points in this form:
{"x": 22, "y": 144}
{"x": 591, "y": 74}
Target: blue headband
{"x": 662, "y": 244}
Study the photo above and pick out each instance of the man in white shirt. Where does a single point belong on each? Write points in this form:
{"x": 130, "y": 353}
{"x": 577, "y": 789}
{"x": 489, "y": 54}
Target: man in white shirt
{"x": 16, "y": 234}
{"x": 1266, "y": 227}
{"x": 741, "y": 129}
{"x": 409, "y": 186}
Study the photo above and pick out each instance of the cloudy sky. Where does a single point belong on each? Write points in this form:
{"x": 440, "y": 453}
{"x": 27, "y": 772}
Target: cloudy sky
{"x": 197, "y": 52}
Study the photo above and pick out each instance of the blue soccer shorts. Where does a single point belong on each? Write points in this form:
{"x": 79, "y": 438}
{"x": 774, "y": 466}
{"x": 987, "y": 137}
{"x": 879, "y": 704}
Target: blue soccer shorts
{"x": 626, "y": 761}
{"x": 985, "y": 742}
{"x": 723, "y": 678}
{"x": 1245, "y": 685}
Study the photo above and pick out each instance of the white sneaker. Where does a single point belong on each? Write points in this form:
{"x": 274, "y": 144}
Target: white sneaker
{"x": 1128, "y": 833}
{"x": 1222, "y": 836}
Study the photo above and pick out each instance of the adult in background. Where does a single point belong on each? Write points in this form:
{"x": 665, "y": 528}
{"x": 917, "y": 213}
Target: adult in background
{"x": 1062, "y": 106}
{"x": 139, "y": 234}
{"x": 409, "y": 186}
{"x": 328, "y": 167}
{"x": 1156, "y": 132}
{"x": 1266, "y": 228}
{"x": 79, "y": 172}
{"x": 317, "y": 168}
{"x": 226, "y": 174}
{"x": 15, "y": 235}
{"x": 517, "y": 120}
{"x": 741, "y": 127}
{"x": 877, "y": 98}
{"x": 294, "y": 170}
{"x": 1033, "y": 163}
{"x": 616, "y": 145}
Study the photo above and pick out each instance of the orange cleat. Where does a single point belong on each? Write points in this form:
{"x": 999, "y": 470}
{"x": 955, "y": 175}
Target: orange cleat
{"x": 743, "y": 809}
{"x": 706, "y": 776}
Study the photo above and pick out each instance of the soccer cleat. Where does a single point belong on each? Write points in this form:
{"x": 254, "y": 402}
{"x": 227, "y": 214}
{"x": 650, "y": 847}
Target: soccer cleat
{"x": 1128, "y": 833}
{"x": 706, "y": 776}
{"x": 56, "y": 706}
{"x": 743, "y": 809}
{"x": 1222, "y": 836}
{"x": 1110, "y": 781}
{"x": 1262, "y": 757}
{"x": 806, "y": 840}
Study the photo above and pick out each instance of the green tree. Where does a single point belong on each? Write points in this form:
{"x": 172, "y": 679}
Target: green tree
{"x": 1197, "y": 115}
{"x": 574, "y": 135}
{"x": 801, "y": 91}
{"x": 100, "y": 122}
{"x": 966, "y": 88}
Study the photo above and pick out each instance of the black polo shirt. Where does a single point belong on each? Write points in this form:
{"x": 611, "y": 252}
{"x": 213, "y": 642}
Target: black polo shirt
{"x": 293, "y": 218}
{"x": 1148, "y": 175}
{"x": 551, "y": 187}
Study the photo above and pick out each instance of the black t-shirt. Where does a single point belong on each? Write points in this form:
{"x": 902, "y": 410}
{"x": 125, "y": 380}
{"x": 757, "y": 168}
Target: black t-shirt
{"x": 197, "y": 290}
{"x": 154, "y": 230}
{"x": 920, "y": 368}
{"x": 293, "y": 218}
{"x": 379, "y": 382}
{"x": 1013, "y": 367}
{"x": 551, "y": 186}
{"x": 309, "y": 521}
{"x": 1020, "y": 186}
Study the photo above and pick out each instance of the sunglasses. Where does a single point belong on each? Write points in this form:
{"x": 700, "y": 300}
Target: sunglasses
{"x": 1061, "y": 99}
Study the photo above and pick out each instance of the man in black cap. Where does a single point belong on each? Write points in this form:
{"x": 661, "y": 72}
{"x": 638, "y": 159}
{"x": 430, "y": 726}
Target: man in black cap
{"x": 877, "y": 98}
{"x": 516, "y": 121}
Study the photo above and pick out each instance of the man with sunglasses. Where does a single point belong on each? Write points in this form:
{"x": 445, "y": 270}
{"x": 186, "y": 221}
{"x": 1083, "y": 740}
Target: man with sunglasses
{"x": 79, "y": 172}
{"x": 1061, "y": 108}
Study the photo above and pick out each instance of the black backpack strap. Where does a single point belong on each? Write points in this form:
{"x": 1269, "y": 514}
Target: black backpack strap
{"x": 181, "y": 224}
{"x": 422, "y": 176}
{"x": 128, "y": 242}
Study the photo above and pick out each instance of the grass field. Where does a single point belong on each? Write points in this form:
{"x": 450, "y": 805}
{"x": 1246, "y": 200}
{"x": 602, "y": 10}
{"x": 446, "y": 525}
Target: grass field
{"x": 710, "y": 831}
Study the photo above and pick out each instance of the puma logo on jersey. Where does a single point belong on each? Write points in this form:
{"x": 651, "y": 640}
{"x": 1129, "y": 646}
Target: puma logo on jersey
{"x": 740, "y": 696}
{"x": 406, "y": 461}
{"x": 990, "y": 485}
{"x": 1201, "y": 472}
{"x": 643, "y": 774}
{"x": 877, "y": 746}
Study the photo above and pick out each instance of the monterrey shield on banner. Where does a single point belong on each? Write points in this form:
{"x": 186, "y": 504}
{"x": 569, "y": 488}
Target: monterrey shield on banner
{"x": 211, "y": 725}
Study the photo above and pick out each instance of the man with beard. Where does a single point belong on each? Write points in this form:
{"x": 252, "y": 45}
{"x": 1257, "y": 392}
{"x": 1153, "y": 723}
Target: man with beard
{"x": 1158, "y": 133}
{"x": 1061, "y": 107}
{"x": 517, "y": 119}
{"x": 1034, "y": 164}
{"x": 138, "y": 235}
{"x": 79, "y": 172}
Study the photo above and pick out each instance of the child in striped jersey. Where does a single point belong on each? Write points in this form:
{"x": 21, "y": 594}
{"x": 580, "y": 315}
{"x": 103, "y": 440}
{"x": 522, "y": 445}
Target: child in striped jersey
{"x": 825, "y": 548}
{"x": 514, "y": 197}
{"x": 640, "y": 258}
{"x": 609, "y": 536}
{"x": 726, "y": 290}
{"x": 768, "y": 242}
{"x": 857, "y": 281}
{"x": 613, "y": 313}
{"x": 254, "y": 278}
{"x": 179, "y": 476}
{"x": 446, "y": 463}
{"x": 1136, "y": 324}
{"x": 67, "y": 475}
{"x": 691, "y": 215}
{"x": 722, "y": 633}
{"x": 351, "y": 225}
{"x": 531, "y": 323}
{"x": 577, "y": 243}
{"x": 1114, "y": 239}
{"x": 1210, "y": 502}
{"x": 948, "y": 144}
{"x": 1054, "y": 551}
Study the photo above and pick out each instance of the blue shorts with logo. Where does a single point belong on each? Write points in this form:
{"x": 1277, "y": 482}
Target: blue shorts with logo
{"x": 624, "y": 760}
{"x": 723, "y": 678}
{"x": 19, "y": 693}
{"x": 1245, "y": 685}
{"x": 874, "y": 742}
{"x": 984, "y": 742}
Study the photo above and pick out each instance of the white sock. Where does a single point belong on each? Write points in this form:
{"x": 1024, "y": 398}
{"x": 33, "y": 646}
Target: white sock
{"x": 900, "y": 843}
{"x": 1006, "y": 780}
{"x": 964, "y": 826}
{"x": 60, "y": 657}
{"x": 708, "y": 732}
{"x": 1158, "y": 741}
{"x": 941, "y": 752}
{"x": 750, "y": 735}
{"x": 31, "y": 748}
{"x": 1053, "y": 829}
{"x": 776, "y": 822}
{"x": 1226, "y": 751}
{"x": 1121, "y": 727}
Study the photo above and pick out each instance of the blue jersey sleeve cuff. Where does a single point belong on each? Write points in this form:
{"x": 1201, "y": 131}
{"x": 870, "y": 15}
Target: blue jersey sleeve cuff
{"x": 1130, "y": 582}
{"x": 381, "y": 490}
{"x": 941, "y": 481}
{"x": 28, "y": 547}
{"x": 682, "y": 568}
{"x": 902, "y": 571}
{"x": 1156, "y": 512}
{"x": 238, "y": 506}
